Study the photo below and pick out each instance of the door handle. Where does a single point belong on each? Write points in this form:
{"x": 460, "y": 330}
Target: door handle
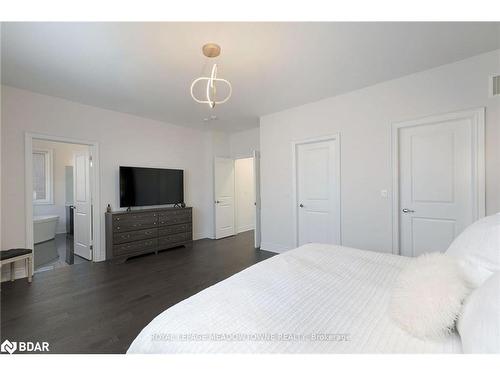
{"x": 407, "y": 211}
{"x": 217, "y": 202}
{"x": 301, "y": 205}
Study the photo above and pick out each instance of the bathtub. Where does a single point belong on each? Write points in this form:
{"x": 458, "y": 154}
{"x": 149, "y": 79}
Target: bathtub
{"x": 44, "y": 228}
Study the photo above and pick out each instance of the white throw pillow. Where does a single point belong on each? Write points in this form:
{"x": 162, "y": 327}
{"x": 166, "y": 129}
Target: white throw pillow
{"x": 479, "y": 246}
{"x": 479, "y": 323}
{"x": 427, "y": 298}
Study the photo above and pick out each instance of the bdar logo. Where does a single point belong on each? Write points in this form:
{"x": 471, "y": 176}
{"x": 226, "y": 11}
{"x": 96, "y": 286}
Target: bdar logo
{"x": 24, "y": 346}
{"x": 9, "y": 347}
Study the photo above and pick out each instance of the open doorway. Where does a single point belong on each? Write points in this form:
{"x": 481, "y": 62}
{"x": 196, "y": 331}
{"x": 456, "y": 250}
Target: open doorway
{"x": 237, "y": 196}
{"x": 244, "y": 189}
{"x": 61, "y": 187}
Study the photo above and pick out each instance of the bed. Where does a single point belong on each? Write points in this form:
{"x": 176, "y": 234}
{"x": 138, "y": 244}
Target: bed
{"x": 314, "y": 299}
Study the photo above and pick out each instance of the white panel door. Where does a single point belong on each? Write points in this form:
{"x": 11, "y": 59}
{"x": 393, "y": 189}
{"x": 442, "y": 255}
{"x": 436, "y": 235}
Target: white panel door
{"x": 256, "y": 175}
{"x": 436, "y": 184}
{"x": 224, "y": 197}
{"x": 317, "y": 192}
{"x": 83, "y": 205}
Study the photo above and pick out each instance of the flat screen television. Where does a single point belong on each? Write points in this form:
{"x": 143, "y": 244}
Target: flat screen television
{"x": 150, "y": 186}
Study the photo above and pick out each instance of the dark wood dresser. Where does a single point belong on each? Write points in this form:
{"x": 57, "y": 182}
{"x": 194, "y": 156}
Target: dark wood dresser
{"x": 144, "y": 231}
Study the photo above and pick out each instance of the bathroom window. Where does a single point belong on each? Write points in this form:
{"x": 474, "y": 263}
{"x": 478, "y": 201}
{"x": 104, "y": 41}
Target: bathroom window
{"x": 42, "y": 177}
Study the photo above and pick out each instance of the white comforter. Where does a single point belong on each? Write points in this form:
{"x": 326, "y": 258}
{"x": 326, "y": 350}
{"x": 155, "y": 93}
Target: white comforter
{"x": 314, "y": 299}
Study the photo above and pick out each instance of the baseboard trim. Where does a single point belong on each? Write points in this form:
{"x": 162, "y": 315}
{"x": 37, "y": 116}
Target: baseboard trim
{"x": 200, "y": 236}
{"x": 245, "y": 228}
{"x": 275, "y": 248}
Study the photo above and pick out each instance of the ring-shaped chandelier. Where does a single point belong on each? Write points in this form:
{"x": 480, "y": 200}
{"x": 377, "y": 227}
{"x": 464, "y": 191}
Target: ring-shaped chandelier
{"x": 211, "y": 50}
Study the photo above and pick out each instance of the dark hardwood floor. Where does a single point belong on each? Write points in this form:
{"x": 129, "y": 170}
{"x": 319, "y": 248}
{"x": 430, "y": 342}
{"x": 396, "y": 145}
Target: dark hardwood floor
{"x": 101, "y": 307}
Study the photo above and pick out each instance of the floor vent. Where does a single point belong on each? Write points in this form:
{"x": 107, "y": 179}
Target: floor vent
{"x": 495, "y": 85}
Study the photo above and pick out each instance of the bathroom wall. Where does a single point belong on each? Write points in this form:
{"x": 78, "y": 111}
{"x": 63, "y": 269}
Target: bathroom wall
{"x": 62, "y": 158}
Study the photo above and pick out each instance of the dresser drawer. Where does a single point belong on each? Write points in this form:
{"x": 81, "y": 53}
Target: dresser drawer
{"x": 177, "y": 218}
{"x": 173, "y": 229}
{"x": 129, "y": 225}
{"x": 174, "y": 211}
{"x": 135, "y": 216}
{"x": 173, "y": 239}
{"x": 135, "y": 235}
{"x": 135, "y": 247}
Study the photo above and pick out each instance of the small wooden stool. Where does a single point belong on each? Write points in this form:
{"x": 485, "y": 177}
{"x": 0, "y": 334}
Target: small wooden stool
{"x": 13, "y": 255}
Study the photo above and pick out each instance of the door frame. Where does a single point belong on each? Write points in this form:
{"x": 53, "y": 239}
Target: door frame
{"x": 295, "y": 213}
{"x": 252, "y": 155}
{"x": 258, "y": 205}
{"x": 236, "y": 206}
{"x": 98, "y": 251}
{"x": 477, "y": 117}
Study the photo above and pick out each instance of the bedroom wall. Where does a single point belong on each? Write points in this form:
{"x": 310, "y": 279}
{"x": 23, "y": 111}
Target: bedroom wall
{"x": 123, "y": 140}
{"x": 243, "y": 143}
{"x": 364, "y": 118}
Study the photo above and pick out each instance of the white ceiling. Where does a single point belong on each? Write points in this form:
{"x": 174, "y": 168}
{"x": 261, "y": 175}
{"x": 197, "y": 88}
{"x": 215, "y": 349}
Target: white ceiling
{"x": 146, "y": 68}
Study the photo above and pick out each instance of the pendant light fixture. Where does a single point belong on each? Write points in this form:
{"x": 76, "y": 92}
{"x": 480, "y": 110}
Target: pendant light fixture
{"x": 211, "y": 50}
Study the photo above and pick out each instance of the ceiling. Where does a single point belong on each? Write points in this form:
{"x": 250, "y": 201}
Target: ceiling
{"x": 146, "y": 69}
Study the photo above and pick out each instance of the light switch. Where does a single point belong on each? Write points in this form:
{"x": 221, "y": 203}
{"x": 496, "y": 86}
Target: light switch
{"x": 383, "y": 194}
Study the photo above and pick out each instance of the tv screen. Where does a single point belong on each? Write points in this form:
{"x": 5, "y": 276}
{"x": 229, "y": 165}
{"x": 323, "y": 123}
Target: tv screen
{"x": 150, "y": 186}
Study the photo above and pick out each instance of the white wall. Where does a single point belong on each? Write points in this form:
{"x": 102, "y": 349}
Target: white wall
{"x": 364, "y": 119}
{"x": 123, "y": 140}
{"x": 243, "y": 143}
{"x": 220, "y": 144}
{"x": 62, "y": 154}
{"x": 244, "y": 194}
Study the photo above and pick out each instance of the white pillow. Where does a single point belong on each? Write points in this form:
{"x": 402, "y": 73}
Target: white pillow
{"x": 479, "y": 323}
{"x": 428, "y": 295}
{"x": 479, "y": 245}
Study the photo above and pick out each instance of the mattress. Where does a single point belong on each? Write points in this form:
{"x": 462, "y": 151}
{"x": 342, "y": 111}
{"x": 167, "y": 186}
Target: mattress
{"x": 313, "y": 299}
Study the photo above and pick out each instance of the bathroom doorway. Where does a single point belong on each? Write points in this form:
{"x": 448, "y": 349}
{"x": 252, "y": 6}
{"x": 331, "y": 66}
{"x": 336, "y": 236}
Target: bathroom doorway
{"x": 247, "y": 195}
{"x": 60, "y": 197}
